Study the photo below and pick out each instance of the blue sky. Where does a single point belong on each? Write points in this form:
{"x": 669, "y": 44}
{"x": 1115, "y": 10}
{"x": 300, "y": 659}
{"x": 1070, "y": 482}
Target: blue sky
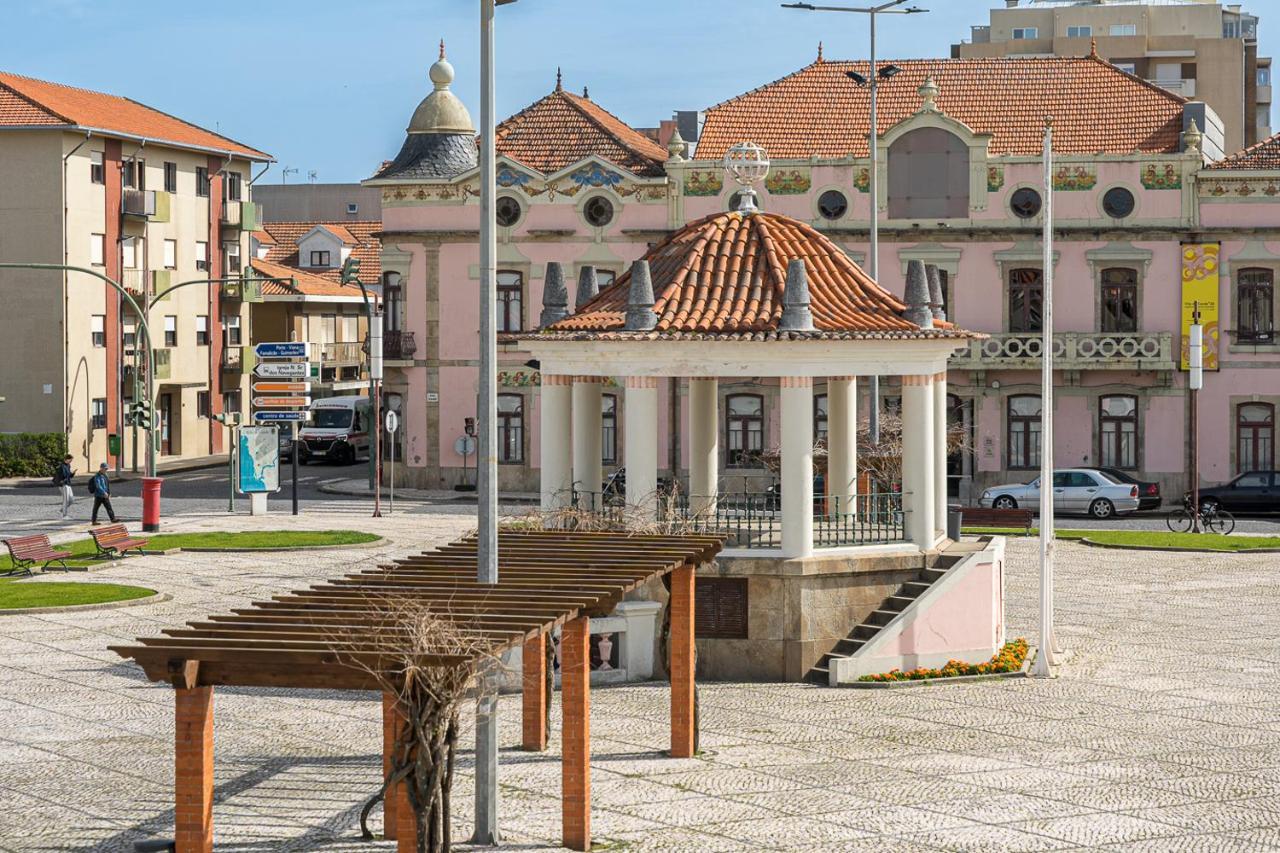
{"x": 329, "y": 86}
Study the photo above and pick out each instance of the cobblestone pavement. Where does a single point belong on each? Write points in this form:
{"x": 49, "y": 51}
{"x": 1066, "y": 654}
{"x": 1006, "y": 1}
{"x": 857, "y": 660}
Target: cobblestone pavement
{"x": 1159, "y": 734}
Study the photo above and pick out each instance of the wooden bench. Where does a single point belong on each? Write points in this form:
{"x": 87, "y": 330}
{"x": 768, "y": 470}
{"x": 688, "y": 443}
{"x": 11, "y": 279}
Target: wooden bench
{"x": 1009, "y": 519}
{"x": 26, "y": 551}
{"x": 113, "y": 540}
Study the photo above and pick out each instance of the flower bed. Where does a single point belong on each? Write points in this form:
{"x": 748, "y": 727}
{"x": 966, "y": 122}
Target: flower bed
{"x": 1009, "y": 659}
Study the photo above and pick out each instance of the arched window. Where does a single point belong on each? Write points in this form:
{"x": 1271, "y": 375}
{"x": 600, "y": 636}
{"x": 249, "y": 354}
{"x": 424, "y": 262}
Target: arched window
{"x": 1255, "y": 301}
{"x": 928, "y": 175}
{"x": 1119, "y": 300}
{"x": 744, "y": 429}
{"x": 1024, "y": 431}
{"x": 1255, "y": 437}
{"x": 510, "y": 428}
{"x": 1118, "y": 431}
{"x": 609, "y": 428}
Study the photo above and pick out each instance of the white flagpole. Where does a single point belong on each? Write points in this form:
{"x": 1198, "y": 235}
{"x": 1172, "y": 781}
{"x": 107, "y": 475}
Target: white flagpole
{"x": 1045, "y": 653}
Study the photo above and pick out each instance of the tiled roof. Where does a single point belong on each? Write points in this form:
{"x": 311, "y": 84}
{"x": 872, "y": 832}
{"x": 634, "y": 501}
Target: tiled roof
{"x": 563, "y": 128}
{"x": 25, "y": 102}
{"x": 264, "y": 238}
{"x": 307, "y": 283}
{"x": 818, "y": 111}
{"x": 1261, "y": 155}
{"x": 365, "y": 246}
{"x": 725, "y": 275}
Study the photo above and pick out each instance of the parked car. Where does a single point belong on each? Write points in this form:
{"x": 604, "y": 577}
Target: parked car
{"x": 1148, "y": 493}
{"x": 285, "y": 440}
{"x": 1254, "y": 491}
{"x": 1075, "y": 490}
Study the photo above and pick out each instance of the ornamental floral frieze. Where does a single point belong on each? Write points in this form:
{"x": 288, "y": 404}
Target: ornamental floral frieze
{"x": 1072, "y": 178}
{"x": 1240, "y": 188}
{"x": 430, "y": 192}
{"x": 509, "y": 178}
{"x": 703, "y": 182}
{"x": 995, "y": 178}
{"x": 533, "y": 379}
{"x": 595, "y": 175}
{"x": 1161, "y": 176}
{"x": 788, "y": 182}
{"x": 862, "y": 179}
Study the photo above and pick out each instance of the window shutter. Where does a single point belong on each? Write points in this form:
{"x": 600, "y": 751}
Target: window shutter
{"x": 720, "y": 608}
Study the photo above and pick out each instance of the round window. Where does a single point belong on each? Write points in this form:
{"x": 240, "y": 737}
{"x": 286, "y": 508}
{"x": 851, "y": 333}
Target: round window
{"x": 598, "y": 211}
{"x": 508, "y": 211}
{"x": 1025, "y": 203}
{"x": 832, "y": 204}
{"x": 1118, "y": 203}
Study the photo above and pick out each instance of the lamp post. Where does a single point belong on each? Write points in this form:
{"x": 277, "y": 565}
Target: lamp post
{"x": 873, "y": 82}
{"x": 1048, "y": 544}
{"x": 1195, "y": 381}
{"x": 351, "y": 276}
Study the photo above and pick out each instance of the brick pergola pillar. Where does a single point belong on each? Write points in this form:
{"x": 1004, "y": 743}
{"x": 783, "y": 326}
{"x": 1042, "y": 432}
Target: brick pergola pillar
{"x": 575, "y": 762}
{"x": 534, "y": 701}
{"x": 193, "y": 771}
{"x": 390, "y": 723}
{"x": 682, "y": 662}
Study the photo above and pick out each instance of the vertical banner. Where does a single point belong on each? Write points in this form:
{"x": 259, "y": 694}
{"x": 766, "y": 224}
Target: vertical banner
{"x": 1200, "y": 290}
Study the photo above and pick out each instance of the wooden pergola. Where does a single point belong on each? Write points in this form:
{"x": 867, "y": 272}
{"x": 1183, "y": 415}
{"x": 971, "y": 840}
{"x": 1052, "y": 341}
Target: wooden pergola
{"x": 548, "y": 579}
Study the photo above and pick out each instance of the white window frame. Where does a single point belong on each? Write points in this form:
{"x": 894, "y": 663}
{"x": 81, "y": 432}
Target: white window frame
{"x": 170, "y": 326}
{"x": 202, "y": 328}
{"x": 98, "y": 329}
{"x": 97, "y": 250}
{"x": 1080, "y": 31}
{"x": 170, "y": 254}
{"x": 202, "y": 255}
{"x": 231, "y": 328}
{"x": 1027, "y": 33}
{"x": 1122, "y": 30}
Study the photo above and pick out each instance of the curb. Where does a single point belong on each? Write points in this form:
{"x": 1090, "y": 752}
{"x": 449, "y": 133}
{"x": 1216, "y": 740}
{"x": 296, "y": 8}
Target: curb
{"x": 936, "y": 682}
{"x": 1175, "y": 549}
{"x": 125, "y": 477}
{"x": 105, "y": 605}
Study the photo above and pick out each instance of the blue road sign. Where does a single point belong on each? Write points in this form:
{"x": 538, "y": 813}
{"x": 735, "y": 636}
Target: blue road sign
{"x": 279, "y": 417}
{"x": 282, "y": 349}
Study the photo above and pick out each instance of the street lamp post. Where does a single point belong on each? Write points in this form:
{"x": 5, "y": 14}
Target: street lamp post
{"x": 1195, "y": 381}
{"x": 873, "y": 82}
{"x": 351, "y": 275}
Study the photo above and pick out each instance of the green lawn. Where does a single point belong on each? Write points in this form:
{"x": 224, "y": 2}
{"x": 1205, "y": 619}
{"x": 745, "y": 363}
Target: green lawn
{"x": 20, "y": 596}
{"x": 83, "y": 550}
{"x": 1152, "y": 538}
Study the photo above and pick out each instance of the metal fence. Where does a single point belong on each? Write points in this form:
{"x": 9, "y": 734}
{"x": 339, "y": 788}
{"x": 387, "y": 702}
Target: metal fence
{"x": 754, "y": 519}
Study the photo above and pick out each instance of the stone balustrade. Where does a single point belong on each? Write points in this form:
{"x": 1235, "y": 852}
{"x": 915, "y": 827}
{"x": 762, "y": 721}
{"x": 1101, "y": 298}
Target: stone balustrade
{"x": 1071, "y": 351}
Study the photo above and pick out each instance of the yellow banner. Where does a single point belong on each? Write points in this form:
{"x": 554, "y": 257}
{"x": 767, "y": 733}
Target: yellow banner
{"x": 1200, "y": 291}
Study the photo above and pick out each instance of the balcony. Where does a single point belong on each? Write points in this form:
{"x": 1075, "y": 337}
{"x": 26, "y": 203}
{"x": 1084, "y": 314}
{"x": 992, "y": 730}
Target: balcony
{"x": 241, "y": 215}
{"x": 398, "y": 345}
{"x": 242, "y": 289}
{"x": 164, "y": 363}
{"x": 237, "y": 359}
{"x": 1185, "y": 88}
{"x": 333, "y": 355}
{"x": 1071, "y": 351}
{"x": 138, "y": 203}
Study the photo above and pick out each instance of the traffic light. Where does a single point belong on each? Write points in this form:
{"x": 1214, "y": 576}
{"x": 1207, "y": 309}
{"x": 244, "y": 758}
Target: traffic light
{"x": 142, "y": 414}
{"x": 351, "y": 271}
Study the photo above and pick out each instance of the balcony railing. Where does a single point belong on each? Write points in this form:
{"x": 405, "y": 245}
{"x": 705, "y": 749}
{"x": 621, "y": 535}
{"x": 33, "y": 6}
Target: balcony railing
{"x": 244, "y": 215}
{"x": 233, "y": 359}
{"x": 1071, "y": 351}
{"x": 1185, "y": 88}
{"x": 398, "y": 345}
{"x": 138, "y": 203}
{"x": 343, "y": 353}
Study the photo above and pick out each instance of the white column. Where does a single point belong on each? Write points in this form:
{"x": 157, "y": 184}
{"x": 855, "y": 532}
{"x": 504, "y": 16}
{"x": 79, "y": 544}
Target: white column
{"x": 641, "y": 444}
{"x": 917, "y": 459}
{"x": 842, "y": 444}
{"x": 704, "y": 443}
{"x": 554, "y": 440}
{"x": 940, "y": 451}
{"x": 588, "y": 469}
{"x": 797, "y": 465}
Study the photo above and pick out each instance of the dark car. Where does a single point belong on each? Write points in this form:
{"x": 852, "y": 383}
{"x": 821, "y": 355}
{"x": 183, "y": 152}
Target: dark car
{"x": 1254, "y": 491}
{"x": 1148, "y": 493}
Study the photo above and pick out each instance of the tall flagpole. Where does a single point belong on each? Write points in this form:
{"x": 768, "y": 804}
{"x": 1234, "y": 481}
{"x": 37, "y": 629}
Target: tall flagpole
{"x": 1044, "y": 655}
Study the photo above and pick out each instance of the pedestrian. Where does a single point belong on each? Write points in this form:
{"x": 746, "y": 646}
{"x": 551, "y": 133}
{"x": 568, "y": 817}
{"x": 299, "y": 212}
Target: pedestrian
{"x": 100, "y": 488}
{"x": 62, "y": 479}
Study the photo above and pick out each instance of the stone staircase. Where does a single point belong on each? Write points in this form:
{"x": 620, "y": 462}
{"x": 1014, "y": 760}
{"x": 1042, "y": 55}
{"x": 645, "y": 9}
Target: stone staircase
{"x": 881, "y": 616}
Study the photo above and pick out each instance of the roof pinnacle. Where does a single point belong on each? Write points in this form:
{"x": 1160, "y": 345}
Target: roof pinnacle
{"x": 559, "y": 80}
{"x": 585, "y": 94}
{"x": 442, "y": 48}
{"x": 820, "y": 59}
{"x": 1093, "y": 48}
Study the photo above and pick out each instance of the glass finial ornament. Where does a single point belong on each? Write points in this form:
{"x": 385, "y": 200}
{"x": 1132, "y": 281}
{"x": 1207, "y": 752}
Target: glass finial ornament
{"x": 748, "y": 165}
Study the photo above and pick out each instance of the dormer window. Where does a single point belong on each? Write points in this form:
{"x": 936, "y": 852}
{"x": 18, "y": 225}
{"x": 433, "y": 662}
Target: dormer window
{"x": 320, "y": 258}
{"x": 928, "y": 175}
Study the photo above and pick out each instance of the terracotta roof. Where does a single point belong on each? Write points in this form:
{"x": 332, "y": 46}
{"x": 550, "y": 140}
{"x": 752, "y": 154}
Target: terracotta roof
{"x": 364, "y": 243}
{"x": 25, "y": 102}
{"x": 818, "y": 111}
{"x": 1261, "y": 155}
{"x": 264, "y": 238}
{"x": 563, "y": 128}
{"x": 725, "y": 275}
{"x": 307, "y": 284}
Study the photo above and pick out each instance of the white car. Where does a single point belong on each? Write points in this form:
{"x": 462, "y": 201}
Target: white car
{"x": 1075, "y": 490}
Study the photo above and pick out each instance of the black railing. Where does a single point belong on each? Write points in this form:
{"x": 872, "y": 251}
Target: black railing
{"x": 754, "y": 520}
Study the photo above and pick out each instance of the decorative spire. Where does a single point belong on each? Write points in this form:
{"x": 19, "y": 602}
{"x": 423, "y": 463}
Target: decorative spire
{"x": 935, "y": 291}
{"x": 640, "y": 314}
{"x": 675, "y": 146}
{"x": 1093, "y": 48}
{"x": 928, "y": 95}
{"x": 559, "y": 80}
{"x": 442, "y": 48}
{"x": 585, "y": 94}
{"x": 917, "y": 296}
{"x": 588, "y": 287}
{"x": 820, "y": 59}
{"x": 796, "y": 316}
{"x": 555, "y": 296}
{"x": 1192, "y": 139}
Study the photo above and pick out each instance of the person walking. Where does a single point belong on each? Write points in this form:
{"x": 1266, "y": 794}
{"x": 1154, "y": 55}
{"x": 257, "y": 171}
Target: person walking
{"x": 100, "y": 488}
{"x": 62, "y": 479}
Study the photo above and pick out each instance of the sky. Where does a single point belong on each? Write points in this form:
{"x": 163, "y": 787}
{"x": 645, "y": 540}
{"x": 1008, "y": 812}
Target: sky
{"x": 328, "y": 87}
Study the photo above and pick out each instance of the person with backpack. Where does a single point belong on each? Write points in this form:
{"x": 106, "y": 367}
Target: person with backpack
{"x": 62, "y": 476}
{"x": 100, "y": 488}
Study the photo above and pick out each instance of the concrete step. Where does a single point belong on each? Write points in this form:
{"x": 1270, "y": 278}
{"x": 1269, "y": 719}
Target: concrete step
{"x": 865, "y": 631}
{"x": 881, "y": 617}
{"x": 898, "y": 602}
{"x": 846, "y": 647}
{"x": 820, "y": 674}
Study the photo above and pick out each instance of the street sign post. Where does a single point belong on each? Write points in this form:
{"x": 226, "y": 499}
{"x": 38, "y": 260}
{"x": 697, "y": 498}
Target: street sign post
{"x": 281, "y": 417}
{"x": 281, "y": 402}
{"x": 283, "y": 349}
{"x": 464, "y": 447}
{"x": 282, "y": 369}
{"x": 393, "y": 423}
{"x": 285, "y": 393}
{"x": 282, "y": 387}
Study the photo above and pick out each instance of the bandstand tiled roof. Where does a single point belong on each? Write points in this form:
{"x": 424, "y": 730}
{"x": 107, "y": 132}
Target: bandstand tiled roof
{"x": 1263, "y": 155}
{"x": 724, "y": 276}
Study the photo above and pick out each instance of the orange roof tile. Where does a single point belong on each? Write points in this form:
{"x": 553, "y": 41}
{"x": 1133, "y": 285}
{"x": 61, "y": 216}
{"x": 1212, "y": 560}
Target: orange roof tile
{"x": 361, "y": 236}
{"x": 307, "y": 283}
{"x": 818, "y": 111}
{"x": 725, "y": 275}
{"x": 264, "y": 238}
{"x": 26, "y": 102}
{"x": 1264, "y": 155}
{"x": 561, "y": 129}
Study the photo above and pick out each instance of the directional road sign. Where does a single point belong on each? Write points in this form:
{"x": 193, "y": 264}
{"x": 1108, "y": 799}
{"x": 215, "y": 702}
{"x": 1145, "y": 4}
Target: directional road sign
{"x": 282, "y": 387}
{"x": 281, "y": 417}
{"x": 283, "y": 349}
{"x": 282, "y": 369}
{"x": 281, "y": 402}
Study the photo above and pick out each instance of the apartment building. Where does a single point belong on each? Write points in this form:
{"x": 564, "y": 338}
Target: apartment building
{"x": 1199, "y": 49}
{"x": 145, "y": 199}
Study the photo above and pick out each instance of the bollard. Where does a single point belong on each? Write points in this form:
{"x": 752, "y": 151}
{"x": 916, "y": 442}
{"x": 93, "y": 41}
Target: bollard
{"x": 151, "y": 504}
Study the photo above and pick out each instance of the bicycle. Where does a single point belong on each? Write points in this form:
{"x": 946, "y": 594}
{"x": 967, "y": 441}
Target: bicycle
{"x": 1212, "y": 517}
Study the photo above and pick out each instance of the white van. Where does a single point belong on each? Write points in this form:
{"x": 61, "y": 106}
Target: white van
{"x": 338, "y": 430}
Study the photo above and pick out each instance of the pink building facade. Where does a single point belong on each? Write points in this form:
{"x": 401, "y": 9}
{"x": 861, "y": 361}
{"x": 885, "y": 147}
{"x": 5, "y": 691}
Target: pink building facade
{"x": 1143, "y": 224}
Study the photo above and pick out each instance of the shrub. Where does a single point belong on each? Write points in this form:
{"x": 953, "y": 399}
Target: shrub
{"x": 1008, "y": 659}
{"x": 31, "y": 454}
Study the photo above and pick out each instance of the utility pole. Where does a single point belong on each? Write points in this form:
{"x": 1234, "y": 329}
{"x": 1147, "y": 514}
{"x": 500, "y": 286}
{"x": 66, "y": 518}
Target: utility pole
{"x": 1045, "y": 656}
{"x": 1195, "y": 380}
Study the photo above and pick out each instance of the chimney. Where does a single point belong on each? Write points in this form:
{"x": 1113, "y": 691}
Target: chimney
{"x": 917, "y": 296}
{"x": 935, "y": 291}
{"x": 640, "y": 314}
{"x": 796, "y": 316}
{"x": 588, "y": 288}
{"x": 555, "y": 296}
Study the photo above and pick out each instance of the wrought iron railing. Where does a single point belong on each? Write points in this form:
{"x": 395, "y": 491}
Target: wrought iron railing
{"x": 754, "y": 519}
